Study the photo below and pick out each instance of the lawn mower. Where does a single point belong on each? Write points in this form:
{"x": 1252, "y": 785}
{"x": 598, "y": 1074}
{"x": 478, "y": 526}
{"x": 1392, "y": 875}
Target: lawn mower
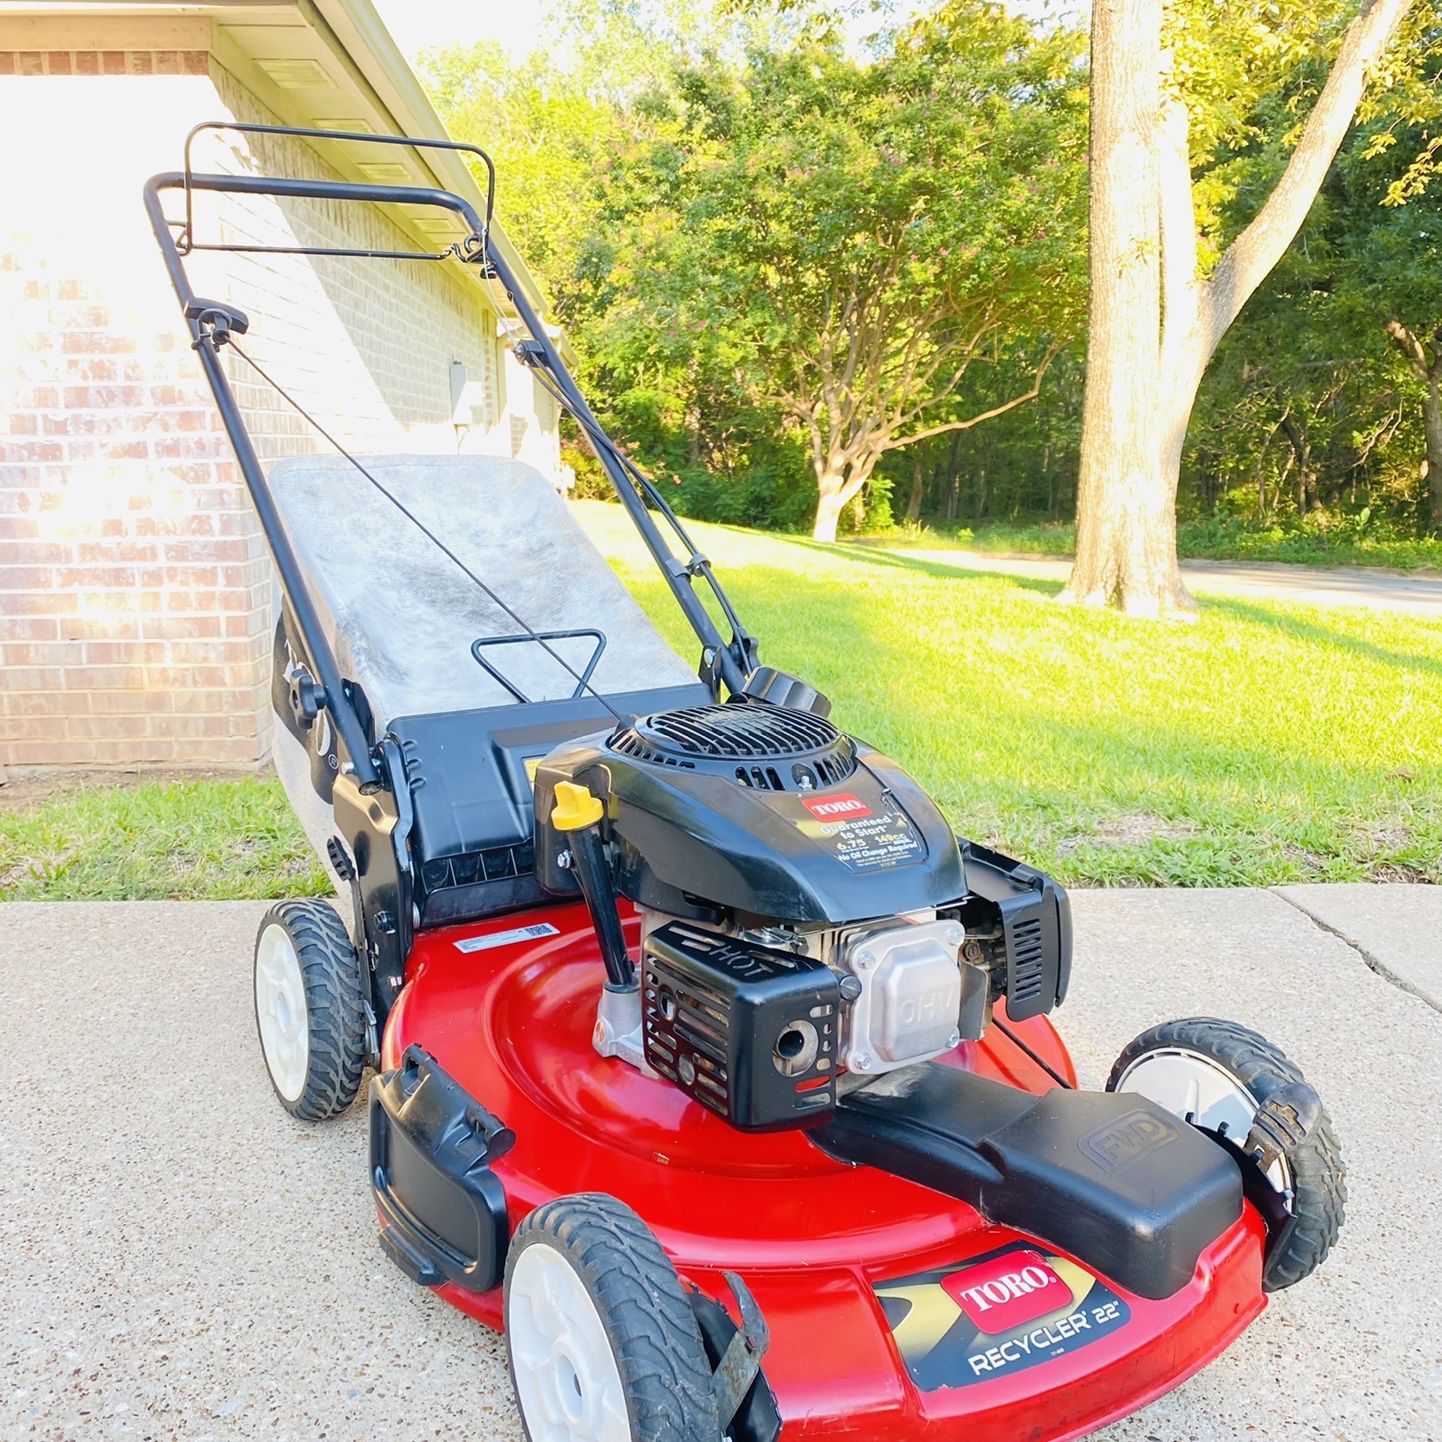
{"x": 710, "y": 1064}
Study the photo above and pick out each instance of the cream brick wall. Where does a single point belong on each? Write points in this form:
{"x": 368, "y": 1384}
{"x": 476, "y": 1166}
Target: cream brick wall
{"x": 136, "y": 596}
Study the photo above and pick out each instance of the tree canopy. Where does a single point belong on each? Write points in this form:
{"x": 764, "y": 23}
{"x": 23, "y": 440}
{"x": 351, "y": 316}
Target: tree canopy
{"x": 800, "y": 272}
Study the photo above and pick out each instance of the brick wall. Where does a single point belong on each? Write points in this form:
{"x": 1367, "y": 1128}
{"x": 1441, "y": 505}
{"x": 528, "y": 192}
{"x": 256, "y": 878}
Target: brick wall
{"x": 136, "y": 597}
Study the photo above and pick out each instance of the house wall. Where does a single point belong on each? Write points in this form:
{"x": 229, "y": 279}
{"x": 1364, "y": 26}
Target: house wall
{"x": 136, "y": 595}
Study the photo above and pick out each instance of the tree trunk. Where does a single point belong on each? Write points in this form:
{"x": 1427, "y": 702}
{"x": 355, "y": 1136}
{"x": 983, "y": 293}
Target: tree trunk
{"x": 1301, "y": 445}
{"x": 1142, "y": 381}
{"x": 918, "y": 489}
{"x": 1432, "y": 425}
{"x": 1126, "y": 528}
{"x": 1426, "y": 363}
{"x": 830, "y": 502}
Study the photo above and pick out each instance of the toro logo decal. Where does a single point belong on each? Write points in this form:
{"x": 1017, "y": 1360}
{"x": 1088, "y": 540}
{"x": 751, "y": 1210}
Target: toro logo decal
{"x": 841, "y": 807}
{"x": 992, "y": 1316}
{"x": 1008, "y": 1291}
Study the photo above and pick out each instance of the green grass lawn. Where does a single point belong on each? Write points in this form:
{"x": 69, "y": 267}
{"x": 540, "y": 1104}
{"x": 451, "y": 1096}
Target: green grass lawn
{"x": 1268, "y": 743}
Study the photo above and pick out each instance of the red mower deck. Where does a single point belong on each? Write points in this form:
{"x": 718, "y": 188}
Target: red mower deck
{"x": 824, "y": 1247}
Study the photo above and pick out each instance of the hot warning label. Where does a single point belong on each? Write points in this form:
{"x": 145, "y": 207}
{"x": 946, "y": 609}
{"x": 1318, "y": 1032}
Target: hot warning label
{"x": 1002, "y": 1312}
{"x": 861, "y": 836}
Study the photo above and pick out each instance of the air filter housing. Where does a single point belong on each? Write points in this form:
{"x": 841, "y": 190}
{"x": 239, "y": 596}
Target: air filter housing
{"x": 770, "y": 748}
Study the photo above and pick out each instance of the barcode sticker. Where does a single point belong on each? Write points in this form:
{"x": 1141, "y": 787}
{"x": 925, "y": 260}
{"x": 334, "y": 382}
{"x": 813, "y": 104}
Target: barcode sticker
{"x": 506, "y": 938}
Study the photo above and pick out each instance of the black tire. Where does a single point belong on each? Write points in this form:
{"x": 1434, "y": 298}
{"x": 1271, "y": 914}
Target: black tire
{"x": 1319, "y": 1176}
{"x": 335, "y": 1010}
{"x": 649, "y": 1324}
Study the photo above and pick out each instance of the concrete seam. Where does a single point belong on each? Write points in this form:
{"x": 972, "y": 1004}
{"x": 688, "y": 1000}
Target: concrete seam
{"x": 1371, "y": 962}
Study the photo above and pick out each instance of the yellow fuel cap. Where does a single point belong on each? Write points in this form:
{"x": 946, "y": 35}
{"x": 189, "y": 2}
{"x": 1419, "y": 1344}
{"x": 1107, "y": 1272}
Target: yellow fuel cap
{"x": 575, "y": 807}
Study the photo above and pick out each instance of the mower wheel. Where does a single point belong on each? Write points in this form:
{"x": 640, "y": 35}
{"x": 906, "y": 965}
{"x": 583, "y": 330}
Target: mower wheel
{"x": 309, "y": 1008}
{"x": 1217, "y": 1075}
{"x": 602, "y": 1344}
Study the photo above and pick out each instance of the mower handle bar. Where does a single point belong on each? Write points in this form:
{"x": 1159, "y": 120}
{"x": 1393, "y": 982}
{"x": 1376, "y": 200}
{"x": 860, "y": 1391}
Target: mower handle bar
{"x": 209, "y": 324}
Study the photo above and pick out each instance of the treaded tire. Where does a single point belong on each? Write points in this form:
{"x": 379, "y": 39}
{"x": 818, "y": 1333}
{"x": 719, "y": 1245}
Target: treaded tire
{"x": 335, "y": 1010}
{"x": 648, "y": 1323}
{"x": 1319, "y": 1176}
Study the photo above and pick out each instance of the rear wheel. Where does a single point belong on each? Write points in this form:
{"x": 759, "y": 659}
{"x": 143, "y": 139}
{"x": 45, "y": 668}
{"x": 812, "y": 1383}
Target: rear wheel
{"x": 309, "y": 1009}
{"x": 602, "y": 1344}
{"x": 1220, "y": 1076}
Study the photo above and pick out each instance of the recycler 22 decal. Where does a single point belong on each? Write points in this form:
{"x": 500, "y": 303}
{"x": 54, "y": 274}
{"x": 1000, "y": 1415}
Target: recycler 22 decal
{"x": 996, "y": 1314}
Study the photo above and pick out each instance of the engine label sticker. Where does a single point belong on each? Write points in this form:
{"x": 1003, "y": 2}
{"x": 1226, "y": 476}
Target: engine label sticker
{"x": 861, "y": 837}
{"x": 996, "y": 1314}
{"x": 507, "y": 938}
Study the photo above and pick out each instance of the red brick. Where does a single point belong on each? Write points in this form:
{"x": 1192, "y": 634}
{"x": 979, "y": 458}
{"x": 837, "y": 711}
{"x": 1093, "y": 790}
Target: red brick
{"x": 96, "y": 342}
{"x": 190, "y": 677}
{"x": 112, "y": 62}
{"x": 249, "y": 625}
{"x": 53, "y": 751}
{"x": 87, "y": 62}
{"x": 109, "y": 678}
{"x": 94, "y": 370}
{"x": 78, "y": 577}
{"x": 209, "y": 653}
{"x": 51, "y": 603}
{"x": 142, "y": 751}
{"x": 16, "y": 451}
{"x": 30, "y": 62}
{"x": 180, "y": 628}
{"x": 120, "y": 549}
{"x": 42, "y": 703}
{"x": 201, "y": 548}
{"x": 107, "y": 728}
{"x": 189, "y": 446}
{"x": 130, "y": 703}
{"x": 30, "y": 551}
{"x": 38, "y": 653}
{"x": 34, "y": 678}
{"x": 123, "y": 653}
{"x": 104, "y": 397}
{"x": 17, "y": 628}
{"x": 79, "y": 316}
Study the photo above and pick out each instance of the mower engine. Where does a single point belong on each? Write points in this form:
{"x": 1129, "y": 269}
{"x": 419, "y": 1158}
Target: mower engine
{"x": 803, "y": 907}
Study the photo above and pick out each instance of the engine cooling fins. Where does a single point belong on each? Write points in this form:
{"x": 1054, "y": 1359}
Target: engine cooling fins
{"x": 770, "y": 748}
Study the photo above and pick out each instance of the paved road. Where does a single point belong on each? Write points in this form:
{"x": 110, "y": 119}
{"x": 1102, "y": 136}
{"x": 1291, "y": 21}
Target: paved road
{"x": 1345, "y": 586}
{"x": 178, "y": 1260}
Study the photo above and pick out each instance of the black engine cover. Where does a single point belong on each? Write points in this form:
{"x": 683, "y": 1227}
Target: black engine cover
{"x": 757, "y": 810}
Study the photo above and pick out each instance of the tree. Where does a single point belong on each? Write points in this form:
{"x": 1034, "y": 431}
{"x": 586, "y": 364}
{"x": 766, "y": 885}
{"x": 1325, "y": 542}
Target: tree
{"x": 1156, "y": 320}
{"x": 1423, "y": 354}
{"x": 852, "y": 240}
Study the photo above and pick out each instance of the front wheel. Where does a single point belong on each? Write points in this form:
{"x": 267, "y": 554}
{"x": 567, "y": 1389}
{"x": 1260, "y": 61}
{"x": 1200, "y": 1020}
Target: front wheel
{"x": 1233, "y": 1083}
{"x": 602, "y": 1344}
{"x": 309, "y": 1008}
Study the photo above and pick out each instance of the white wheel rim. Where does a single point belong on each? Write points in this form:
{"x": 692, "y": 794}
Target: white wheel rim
{"x": 281, "y": 1011}
{"x": 1199, "y": 1090}
{"x": 568, "y": 1382}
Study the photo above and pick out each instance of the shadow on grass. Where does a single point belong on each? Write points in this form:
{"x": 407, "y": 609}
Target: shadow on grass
{"x": 1305, "y": 629}
{"x": 856, "y": 553}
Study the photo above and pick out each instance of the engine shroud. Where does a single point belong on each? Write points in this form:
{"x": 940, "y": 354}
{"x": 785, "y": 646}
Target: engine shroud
{"x": 758, "y": 811}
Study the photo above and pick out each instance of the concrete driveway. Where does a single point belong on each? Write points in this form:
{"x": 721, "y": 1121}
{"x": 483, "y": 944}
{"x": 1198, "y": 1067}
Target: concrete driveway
{"x": 180, "y": 1260}
{"x": 1367, "y": 586}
